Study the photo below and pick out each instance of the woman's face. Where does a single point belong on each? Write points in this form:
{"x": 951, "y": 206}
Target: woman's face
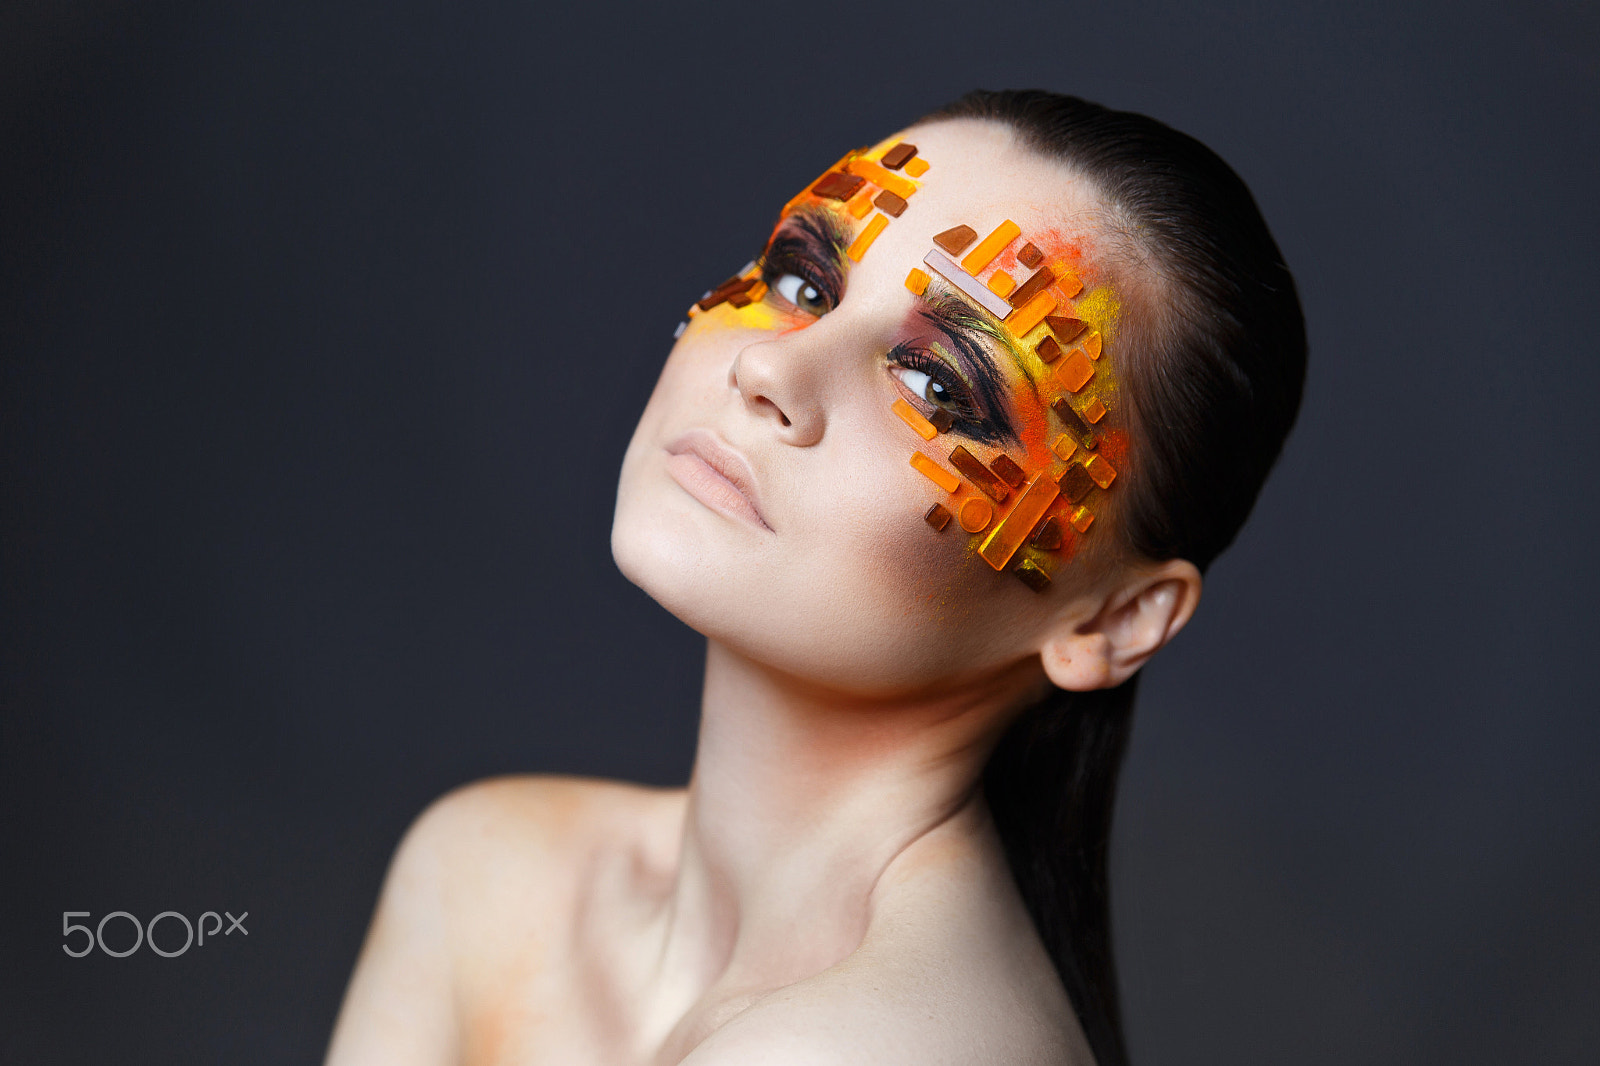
{"x": 769, "y": 496}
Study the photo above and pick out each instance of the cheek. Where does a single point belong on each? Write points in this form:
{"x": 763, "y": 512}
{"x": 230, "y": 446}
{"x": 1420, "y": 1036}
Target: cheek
{"x": 698, "y": 366}
{"x": 870, "y": 530}
{"x": 877, "y": 600}
{"x": 694, "y": 374}
{"x": 894, "y": 603}
{"x": 989, "y": 510}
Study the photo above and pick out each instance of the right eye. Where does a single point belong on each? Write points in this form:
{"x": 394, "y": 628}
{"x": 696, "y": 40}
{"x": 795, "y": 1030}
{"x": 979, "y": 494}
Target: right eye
{"x": 804, "y": 295}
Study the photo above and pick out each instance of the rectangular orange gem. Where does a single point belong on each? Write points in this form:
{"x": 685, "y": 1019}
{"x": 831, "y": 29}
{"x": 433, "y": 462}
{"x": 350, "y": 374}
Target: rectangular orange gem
{"x": 917, "y": 281}
{"x": 862, "y": 204}
{"x": 790, "y": 206}
{"x": 1064, "y": 447}
{"x": 1074, "y": 371}
{"x": 990, "y": 246}
{"x": 913, "y": 418}
{"x": 1095, "y": 411}
{"x": 999, "y": 546}
{"x": 1000, "y": 283}
{"x": 1067, "y": 280}
{"x": 895, "y": 157}
{"x": 1021, "y": 321}
{"x": 868, "y": 235}
{"x": 1032, "y": 287}
{"x": 1082, "y": 519}
{"x": 916, "y": 167}
{"x": 934, "y": 472}
{"x": 1102, "y": 472}
{"x": 883, "y": 179}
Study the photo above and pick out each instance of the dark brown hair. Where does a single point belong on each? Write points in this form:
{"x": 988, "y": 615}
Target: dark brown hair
{"x": 1213, "y": 371}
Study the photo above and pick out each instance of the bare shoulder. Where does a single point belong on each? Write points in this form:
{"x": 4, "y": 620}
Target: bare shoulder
{"x": 495, "y": 825}
{"x": 512, "y": 852}
{"x": 475, "y": 882}
{"x": 535, "y": 808}
{"x": 950, "y": 971}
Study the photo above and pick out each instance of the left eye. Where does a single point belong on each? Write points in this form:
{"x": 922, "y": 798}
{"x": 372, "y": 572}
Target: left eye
{"x": 923, "y": 385}
{"x": 804, "y": 295}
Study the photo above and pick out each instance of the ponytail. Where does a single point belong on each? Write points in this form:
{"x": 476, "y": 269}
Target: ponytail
{"x": 1051, "y": 784}
{"x": 1213, "y": 383}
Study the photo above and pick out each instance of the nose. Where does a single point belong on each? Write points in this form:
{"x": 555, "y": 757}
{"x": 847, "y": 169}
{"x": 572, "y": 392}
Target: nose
{"x": 781, "y": 380}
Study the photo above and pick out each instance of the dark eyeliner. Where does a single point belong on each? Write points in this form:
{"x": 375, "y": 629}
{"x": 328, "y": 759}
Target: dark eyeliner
{"x": 983, "y": 382}
{"x": 811, "y": 246}
{"x": 960, "y": 405}
{"x": 784, "y": 257}
{"x": 973, "y": 417}
{"x": 970, "y": 340}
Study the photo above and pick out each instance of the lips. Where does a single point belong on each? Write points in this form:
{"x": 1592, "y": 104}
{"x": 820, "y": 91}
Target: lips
{"x": 716, "y": 475}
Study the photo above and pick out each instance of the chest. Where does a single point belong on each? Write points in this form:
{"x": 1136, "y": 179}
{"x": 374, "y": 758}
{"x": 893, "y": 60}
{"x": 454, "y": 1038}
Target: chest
{"x": 582, "y": 1019}
{"x": 564, "y": 977}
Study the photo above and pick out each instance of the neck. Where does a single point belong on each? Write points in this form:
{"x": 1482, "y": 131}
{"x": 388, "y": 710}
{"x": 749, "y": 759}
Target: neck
{"x": 800, "y": 799}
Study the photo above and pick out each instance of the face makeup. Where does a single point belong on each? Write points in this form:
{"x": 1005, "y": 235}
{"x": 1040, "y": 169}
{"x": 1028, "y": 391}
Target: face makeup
{"x": 1022, "y": 453}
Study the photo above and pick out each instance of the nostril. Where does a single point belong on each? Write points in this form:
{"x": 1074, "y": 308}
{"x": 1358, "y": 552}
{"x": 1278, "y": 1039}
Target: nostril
{"x": 764, "y": 403}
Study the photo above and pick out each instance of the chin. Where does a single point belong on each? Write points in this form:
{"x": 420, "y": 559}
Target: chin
{"x": 819, "y": 638}
{"x": 659, "y": 545}
{"x": 862, "y": 624}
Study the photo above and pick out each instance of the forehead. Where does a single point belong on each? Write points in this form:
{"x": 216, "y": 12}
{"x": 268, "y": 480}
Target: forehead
{"x": 986, "y": 165}
{"x": 984, "y": 175}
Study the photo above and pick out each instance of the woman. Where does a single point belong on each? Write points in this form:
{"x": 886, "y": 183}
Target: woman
{"x": 935, "y": 478}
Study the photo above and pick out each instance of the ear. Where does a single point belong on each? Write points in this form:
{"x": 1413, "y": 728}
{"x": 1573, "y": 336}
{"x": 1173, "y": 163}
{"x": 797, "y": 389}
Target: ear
{"x": 1127, "y": 627}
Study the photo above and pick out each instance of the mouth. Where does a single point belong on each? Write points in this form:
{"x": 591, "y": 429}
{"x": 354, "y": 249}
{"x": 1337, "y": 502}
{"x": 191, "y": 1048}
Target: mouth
{"x": 716, "y": 475}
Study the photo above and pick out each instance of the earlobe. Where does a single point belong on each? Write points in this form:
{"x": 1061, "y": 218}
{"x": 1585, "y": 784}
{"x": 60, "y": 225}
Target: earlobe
{"x": 1132, "y": 623}
{"x": 1076, "y": 660}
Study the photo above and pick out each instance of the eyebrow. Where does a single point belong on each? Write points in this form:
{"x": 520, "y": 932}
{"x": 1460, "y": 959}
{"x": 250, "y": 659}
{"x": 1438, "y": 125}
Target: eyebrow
{"x": 815, "y": 235}
{"x": 825, "y": 227}
{"x": 975, "y": 340}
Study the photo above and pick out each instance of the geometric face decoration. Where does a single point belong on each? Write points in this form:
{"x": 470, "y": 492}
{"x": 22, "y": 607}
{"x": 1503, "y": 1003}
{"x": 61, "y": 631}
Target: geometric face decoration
{"x": 1026, "y": 507}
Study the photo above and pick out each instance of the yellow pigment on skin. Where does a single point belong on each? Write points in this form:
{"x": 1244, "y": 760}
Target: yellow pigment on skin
{"x": 1101, "y": 309}
{"x": 759, "y": 315}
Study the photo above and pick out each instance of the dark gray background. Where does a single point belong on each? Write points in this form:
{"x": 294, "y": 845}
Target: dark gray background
{"x": 324, "y": 326}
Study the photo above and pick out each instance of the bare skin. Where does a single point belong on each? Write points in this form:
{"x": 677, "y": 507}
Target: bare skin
{"x": 829, "y": 888}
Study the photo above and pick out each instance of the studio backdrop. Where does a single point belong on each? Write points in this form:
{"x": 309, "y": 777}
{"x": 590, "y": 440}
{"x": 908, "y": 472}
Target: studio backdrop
{"x": 323, "y": 327}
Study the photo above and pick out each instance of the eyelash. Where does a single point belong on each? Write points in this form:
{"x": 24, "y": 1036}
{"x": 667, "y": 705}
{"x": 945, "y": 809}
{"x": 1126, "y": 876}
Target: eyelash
{"x": 965, "y": 409}
{"x": 782, "y": 258}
